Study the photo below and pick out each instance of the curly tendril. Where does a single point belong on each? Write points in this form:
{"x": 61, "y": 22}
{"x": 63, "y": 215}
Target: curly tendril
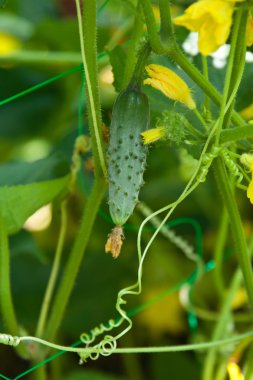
{"x": 232, "y": 166}
{"x": 109, "y": 343}
{"x": 9, "y": 340}
{"x": 206, "y": 163}
{"x": 105, "y": 348}
{"x": 96, "y": 331}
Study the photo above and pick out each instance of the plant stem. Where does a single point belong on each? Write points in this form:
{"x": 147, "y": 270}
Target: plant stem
{"x": 201, "y": 119}
{"x": 213, "y": 316}
{"x": 6, "y": 302}
{"x": 228, "y": 79}
{"x": 167, "y": 29}
{"x": 221, "y": 372}
{"x": 218, "y": 253}
{"x": 170, "y": 234}
{"x": 40, "y": 373}
{"x": 54, "y": 273}
{"x": 87, "y": 32}
{"x": 131, "y": 54}
{"x": 221, "y": 326}
{"x": 249, "y": 364}
{"x": 139, "y": 67}
{"x": 7, "y": 306}
{"x": 238, "y": 62}
{"x": 174, "y": 348}
{"x": 206, "y": 76}
{"x": 42, "y": 58}
{"x": 75, "y": 258}
{"x": 241, "y": 250}
{"x": 151, "y": 27}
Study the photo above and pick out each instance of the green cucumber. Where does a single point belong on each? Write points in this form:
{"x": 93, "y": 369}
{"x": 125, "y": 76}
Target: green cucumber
{"x": 126, "y": 152}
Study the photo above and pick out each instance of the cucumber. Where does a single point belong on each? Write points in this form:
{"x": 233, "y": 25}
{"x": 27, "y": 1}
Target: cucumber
{"x": 126, "y": 152}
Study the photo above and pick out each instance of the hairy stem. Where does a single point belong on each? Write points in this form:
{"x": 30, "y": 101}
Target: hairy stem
{"x": 131, "y": 54}
{"x": 143, "y": 55}
{"x": 6, "y": 302}
{"x": 152, "y": 28}
{"x": 167, "y": 29}
{"x": 238, "y": 63}
{"x": 75, "y": 258}
{"x": 205, "y": 73}
{"x": 87, "y": 32}
{"x": 228, "y": 88}
{"x": 241, "y": 250}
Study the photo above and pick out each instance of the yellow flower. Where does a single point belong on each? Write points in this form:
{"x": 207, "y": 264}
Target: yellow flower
{"x": 247, "y": 160}
{"x": 152, "y": 135}
{"x": 247, "y": 113}
{"x": 170, "y": 84}
{"x": 234, "y": 371}
{"x": 8, "y": 43}
{"x": 212, "y": 19}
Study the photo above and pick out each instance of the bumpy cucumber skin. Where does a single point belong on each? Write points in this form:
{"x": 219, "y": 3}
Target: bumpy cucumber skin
{"x": 126, "y": 152}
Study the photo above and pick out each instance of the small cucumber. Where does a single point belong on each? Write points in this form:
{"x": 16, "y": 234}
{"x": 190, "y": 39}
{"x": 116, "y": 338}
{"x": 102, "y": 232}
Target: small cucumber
{"x": 126, "y": 152}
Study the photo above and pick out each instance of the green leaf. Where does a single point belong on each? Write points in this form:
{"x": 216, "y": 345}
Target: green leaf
{"x": 23, "y": 244}
{"x": 17, "y": 203}
{"x": 117, "y": 59}
{"x": 22, "y": 173}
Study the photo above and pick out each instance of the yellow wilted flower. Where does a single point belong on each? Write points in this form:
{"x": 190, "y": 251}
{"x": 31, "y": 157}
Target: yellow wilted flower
{"x": 212, "y": 19}
{"x": 154, "y": 134}
{"x": 170, "y": 84}
{"x": 234, "y": 371}
{"x": 8, "y": 43}
{"x": 247, "y": 160}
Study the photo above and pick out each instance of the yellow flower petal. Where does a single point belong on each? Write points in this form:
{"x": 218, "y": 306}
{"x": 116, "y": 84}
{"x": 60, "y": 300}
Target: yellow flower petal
{"x": 212, "y": 19}
{"x": 8, "y": 43}
{"x": 233, "y": 1}
{"x": 154, "y": 134}
{"x": 250, "y": 191}
{"x": 207, "y": 43}
{"x": 247, "y": 113}
{"x": 170, "y": 84}
{"x": 234, "y": 371}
